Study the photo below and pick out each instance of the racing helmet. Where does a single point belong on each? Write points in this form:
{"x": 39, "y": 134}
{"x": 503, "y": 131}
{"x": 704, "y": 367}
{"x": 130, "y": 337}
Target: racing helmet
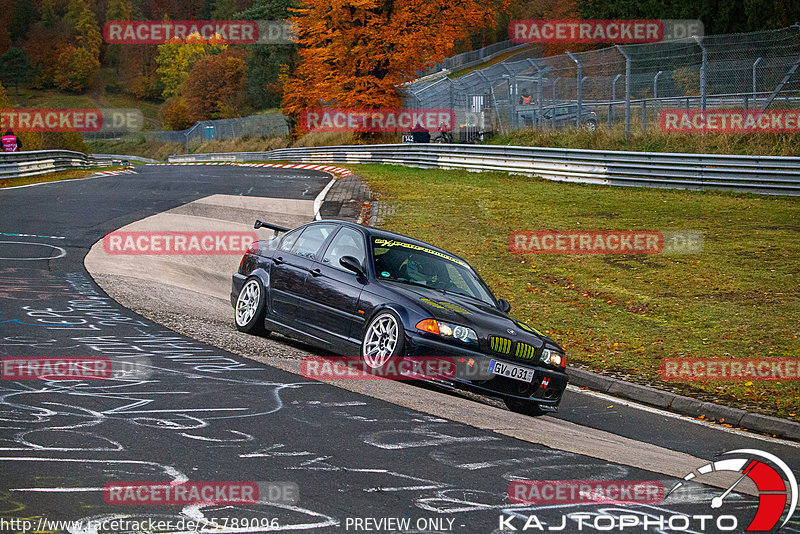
{"x": 421, "y": 269}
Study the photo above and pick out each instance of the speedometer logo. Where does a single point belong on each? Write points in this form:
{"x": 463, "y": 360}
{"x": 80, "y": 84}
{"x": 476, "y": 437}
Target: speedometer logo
{"x": 775, "y": 483}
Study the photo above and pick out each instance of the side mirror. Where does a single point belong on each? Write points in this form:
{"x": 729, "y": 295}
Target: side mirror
{"x": 352, "y": 264}
{"x": 504, "y": 305}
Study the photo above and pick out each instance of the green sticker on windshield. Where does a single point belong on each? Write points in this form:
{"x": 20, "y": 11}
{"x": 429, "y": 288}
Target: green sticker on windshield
{"x": 385, "y": 273}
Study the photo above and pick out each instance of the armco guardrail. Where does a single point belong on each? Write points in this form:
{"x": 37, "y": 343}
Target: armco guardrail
{"x": 31, "y": 163}
{"x": 753, "y": 174}
{"x": 105, "y": 157}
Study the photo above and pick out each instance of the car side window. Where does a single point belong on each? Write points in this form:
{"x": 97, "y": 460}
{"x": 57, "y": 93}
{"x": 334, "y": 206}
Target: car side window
{"x": 289, "y": 240}
{"x": 312, "y": 238}
{"x": 348, "y": 242}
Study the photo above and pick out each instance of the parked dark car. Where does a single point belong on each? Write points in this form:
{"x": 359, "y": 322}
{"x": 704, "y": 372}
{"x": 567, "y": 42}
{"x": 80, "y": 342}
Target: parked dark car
{"x": 353, "y": 290}
{"x": 566, "y": 116}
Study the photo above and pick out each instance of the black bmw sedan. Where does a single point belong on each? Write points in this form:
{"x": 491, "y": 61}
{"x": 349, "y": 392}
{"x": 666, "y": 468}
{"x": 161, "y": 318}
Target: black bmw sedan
{"x": 356, "y": 290}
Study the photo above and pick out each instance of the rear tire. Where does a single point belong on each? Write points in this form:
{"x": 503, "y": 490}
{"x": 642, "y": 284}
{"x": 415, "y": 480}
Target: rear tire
{"x": 591, "y": 126}
{"x": 250, "y": 305}
{"x": 523, "y": 407}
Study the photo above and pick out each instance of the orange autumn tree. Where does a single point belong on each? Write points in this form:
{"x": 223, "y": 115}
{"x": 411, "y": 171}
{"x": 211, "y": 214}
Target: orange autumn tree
{"x": 355, "y": 53}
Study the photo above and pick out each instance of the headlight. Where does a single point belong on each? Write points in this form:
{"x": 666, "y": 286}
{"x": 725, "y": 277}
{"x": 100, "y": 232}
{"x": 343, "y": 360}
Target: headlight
{"x": 552, "y": 357}
{"x": 462, "y": 333}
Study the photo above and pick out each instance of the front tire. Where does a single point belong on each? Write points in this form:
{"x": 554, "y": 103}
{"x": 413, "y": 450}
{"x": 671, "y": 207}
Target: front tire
{"x": 383, "y": 340}
{"x": 523, "y": 407}
{"x": 250, "y": 305}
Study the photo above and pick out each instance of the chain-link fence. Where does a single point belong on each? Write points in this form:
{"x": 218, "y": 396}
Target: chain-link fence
{"x": 266, "y": 125}
{"x": 474, "y": 57}
{"x": 629, "y": 83}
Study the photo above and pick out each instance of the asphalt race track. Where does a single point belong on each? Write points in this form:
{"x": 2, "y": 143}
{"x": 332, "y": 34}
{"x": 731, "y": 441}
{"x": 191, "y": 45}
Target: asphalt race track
{"x": 362, "y": 457}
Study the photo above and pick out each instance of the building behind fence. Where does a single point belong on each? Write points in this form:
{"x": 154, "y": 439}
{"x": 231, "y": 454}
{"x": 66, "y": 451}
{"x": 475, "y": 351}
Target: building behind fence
{"x": 628, "y": 82}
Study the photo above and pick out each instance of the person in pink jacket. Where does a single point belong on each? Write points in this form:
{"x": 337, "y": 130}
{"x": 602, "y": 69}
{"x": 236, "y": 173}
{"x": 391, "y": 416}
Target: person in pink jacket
{"x": 11, "y": 142}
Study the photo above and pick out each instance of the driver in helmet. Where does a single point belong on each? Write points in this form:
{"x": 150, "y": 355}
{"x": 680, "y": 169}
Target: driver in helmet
{"x": 422, "y": 270}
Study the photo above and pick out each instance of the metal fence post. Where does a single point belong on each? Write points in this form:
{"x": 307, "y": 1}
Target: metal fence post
{"x": 539, "y": 93}
{"x": 644, "y": 114}
{"x": 703, "y": 71}
{"x": 494, "y": 100}
{"x": 612, "y": 108}
{"x": 655, "y": 95}
{"x": 627, "y": 91}
{"x": 553, "y": 114}
{"x": 579, "y": 83}
{"x": 755, "y": 65}
{"x": 513, "y": 89}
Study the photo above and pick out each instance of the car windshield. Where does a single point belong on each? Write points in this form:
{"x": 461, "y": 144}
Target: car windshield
{"x": 404, "y": 262}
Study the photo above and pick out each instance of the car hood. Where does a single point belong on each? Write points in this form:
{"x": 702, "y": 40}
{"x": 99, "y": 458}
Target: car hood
{"x": 484, "y": 318}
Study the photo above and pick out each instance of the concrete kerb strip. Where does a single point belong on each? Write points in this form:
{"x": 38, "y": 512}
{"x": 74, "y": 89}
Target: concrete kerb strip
{"x": 126, "y": 170}
{"x": 685, "y": 405}
{"x": 325, "y": 168}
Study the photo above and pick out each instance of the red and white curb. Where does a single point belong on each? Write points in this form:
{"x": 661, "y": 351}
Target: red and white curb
{"x": 334, "y": 170}
{"x": 113, "y": 173}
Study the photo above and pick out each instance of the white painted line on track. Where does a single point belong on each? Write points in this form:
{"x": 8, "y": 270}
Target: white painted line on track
{"x": 321, "y": 198}
{"x": 673, "y": 415}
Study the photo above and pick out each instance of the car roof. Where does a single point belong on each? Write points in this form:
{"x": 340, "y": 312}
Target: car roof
{"x": 386, "y": 234}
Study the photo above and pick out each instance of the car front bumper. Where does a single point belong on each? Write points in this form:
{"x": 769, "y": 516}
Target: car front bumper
{"x": 472, "y": 373}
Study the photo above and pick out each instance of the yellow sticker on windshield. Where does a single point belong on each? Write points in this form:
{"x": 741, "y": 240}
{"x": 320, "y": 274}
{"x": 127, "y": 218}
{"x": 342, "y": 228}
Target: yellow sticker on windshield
{"x": 395, "y": 243}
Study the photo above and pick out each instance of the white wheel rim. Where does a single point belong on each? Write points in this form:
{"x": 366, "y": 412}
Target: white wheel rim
{"x": 380, "y": 341}
{"x": 247, "y": 303}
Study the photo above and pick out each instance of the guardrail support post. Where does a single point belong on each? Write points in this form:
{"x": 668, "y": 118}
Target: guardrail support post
{"x": 627, "y": 91}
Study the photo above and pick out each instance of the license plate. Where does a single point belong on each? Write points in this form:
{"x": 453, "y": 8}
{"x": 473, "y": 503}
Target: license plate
{"x": 517, "y": 372}
{"x": 408, "y": 138}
